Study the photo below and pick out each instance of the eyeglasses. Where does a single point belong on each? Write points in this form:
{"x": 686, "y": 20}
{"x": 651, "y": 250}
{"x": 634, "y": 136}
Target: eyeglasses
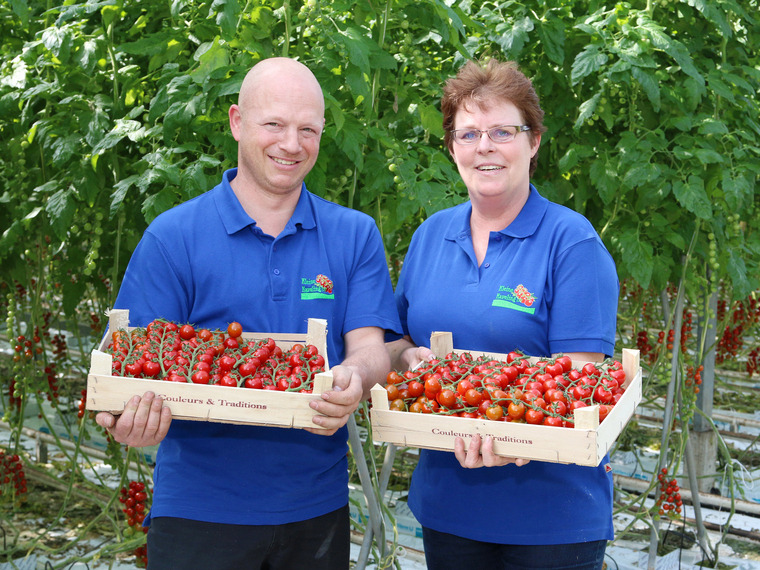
{"x": 503, "y": 134}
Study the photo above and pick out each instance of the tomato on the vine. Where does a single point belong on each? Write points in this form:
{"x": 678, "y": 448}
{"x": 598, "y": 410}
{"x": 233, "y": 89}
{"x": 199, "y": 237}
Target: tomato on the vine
{"x": 447, "y": 398}
{"x": 186, "y": 332}
{"x": 516, "y": 410}
{"x": 533, "y": 416}
{"x": 495, "y": 413}
{"x": 234, "y": 329}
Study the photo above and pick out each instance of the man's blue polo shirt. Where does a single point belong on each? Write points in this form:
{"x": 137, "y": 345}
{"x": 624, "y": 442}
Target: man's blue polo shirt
{"x": 547, "y": 285}
{"x": 206, "y": 262}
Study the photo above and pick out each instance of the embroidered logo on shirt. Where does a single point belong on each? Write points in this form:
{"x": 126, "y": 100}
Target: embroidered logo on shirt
{"x": 518, "y": 299}
{"x": 319, "y": 288}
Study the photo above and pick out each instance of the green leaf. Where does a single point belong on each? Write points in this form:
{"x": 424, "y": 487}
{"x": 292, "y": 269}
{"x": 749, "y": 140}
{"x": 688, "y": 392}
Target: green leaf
{"x": 227, "y": 13}
{"x": 604, "y": 178}
{"x": 716, "y": 83}
{"x": 587, "y": 110}
{"x": 516, "y": 37}
{"x": 334, "y": 109}
{"x": 737, "y": 190}
{"x": 692, "y": 196}
{"x": 672, "y": 47}
{"x": 636, "y": 257}
{"x": 60, "y": 208}
{"x": 179, "y": 114}
{"x": 124, "y": 128}
{"x": 589, "y": 61}
{"x": 551, "y": 32}
{"x": 709, "y": 156}
{"x": 210, "y": 56}
{"x": 110, "y": 13}
{"x": 358, "y": 49}
{"x": 711, "y": 12}
{"x": 638, "y": 175}
{"x": 569, "y": 160}
{"x": 158, "y": 203}
{"x": 676, "y": 239}
{"x": 357, "y": 82}
{"x": 351, "y": 139}
{"x": 432, "y": 120}
{"x": 58, "y": 41}
{"x": 712, "y": 126}
{"x": 21, "y": 9}
{"x": 120, "y": 190}
{"x": 64, "y": 148}
{"x": 737, "y": 270}
{"x": 650, "y": 85}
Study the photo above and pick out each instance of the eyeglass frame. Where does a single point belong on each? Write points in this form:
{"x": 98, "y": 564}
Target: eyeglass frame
{"x": 520, "y": 129}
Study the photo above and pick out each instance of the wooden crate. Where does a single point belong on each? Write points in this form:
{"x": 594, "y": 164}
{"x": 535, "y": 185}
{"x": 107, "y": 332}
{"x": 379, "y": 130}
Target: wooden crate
{"x": 585, "y": 444}
{"x": 211, "y": 403}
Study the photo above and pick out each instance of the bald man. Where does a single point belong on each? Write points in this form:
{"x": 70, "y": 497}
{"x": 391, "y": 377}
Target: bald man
{"x": 250, "y": 250}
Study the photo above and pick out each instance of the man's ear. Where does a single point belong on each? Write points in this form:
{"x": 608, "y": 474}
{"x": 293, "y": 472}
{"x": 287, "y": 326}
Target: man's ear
{"x": 235, "y": 121}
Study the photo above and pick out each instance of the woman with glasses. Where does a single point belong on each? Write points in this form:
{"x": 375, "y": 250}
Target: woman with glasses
{"x": 506, "y": 270}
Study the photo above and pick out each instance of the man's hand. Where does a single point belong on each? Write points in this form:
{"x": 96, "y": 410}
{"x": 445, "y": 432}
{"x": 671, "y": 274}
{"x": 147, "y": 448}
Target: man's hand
{"x": 338, "y": 404}
{"x": 366, "y": 363}
{"x": 144, "y": 421}
{"x": 480, "y": 454}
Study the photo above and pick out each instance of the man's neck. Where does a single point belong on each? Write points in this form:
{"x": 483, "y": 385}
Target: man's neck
{"x": 270, "y": 210}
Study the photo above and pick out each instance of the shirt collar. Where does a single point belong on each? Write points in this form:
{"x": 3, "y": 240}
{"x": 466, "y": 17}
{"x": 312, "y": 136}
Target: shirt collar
{"x": 524, "y": 225}
{"x": 235, "y": 218}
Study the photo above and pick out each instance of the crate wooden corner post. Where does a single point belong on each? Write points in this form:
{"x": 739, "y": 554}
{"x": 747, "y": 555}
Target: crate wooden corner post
{"x": 101, "y": 362}
{"x": 316, "y": 334}
{"x": 631, "y": 365}
{"x": 441, "y": 343}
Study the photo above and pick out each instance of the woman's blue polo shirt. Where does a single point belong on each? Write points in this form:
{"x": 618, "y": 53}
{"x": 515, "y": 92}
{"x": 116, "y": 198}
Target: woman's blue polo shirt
{"x": 547, "y": 285}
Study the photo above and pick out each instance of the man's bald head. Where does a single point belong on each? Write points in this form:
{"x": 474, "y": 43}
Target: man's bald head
{"x": 279, "y": 73}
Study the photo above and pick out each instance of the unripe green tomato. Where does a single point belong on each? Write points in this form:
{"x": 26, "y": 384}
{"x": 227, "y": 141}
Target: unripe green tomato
{"x": 389, "y": 153}
{"x": 393, "y": 167}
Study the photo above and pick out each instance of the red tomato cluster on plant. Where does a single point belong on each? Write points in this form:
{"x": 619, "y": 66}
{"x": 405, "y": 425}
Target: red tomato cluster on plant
{"x": 516, "y": 390}
{"x": 134, "y": 498}
{"x": 178, "y": 353}
{"x": 669, "y": 501}
{"x": 740, "y": 321}
{"x": 12, "y": 477}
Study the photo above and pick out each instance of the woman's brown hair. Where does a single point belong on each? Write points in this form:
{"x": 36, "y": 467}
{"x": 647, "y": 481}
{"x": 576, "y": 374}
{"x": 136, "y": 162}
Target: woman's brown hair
{"x": 485, "y": 84}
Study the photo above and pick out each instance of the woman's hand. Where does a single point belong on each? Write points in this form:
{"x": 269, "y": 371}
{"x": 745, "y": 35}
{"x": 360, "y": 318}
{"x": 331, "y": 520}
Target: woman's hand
{"x": 480, "y": 454}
